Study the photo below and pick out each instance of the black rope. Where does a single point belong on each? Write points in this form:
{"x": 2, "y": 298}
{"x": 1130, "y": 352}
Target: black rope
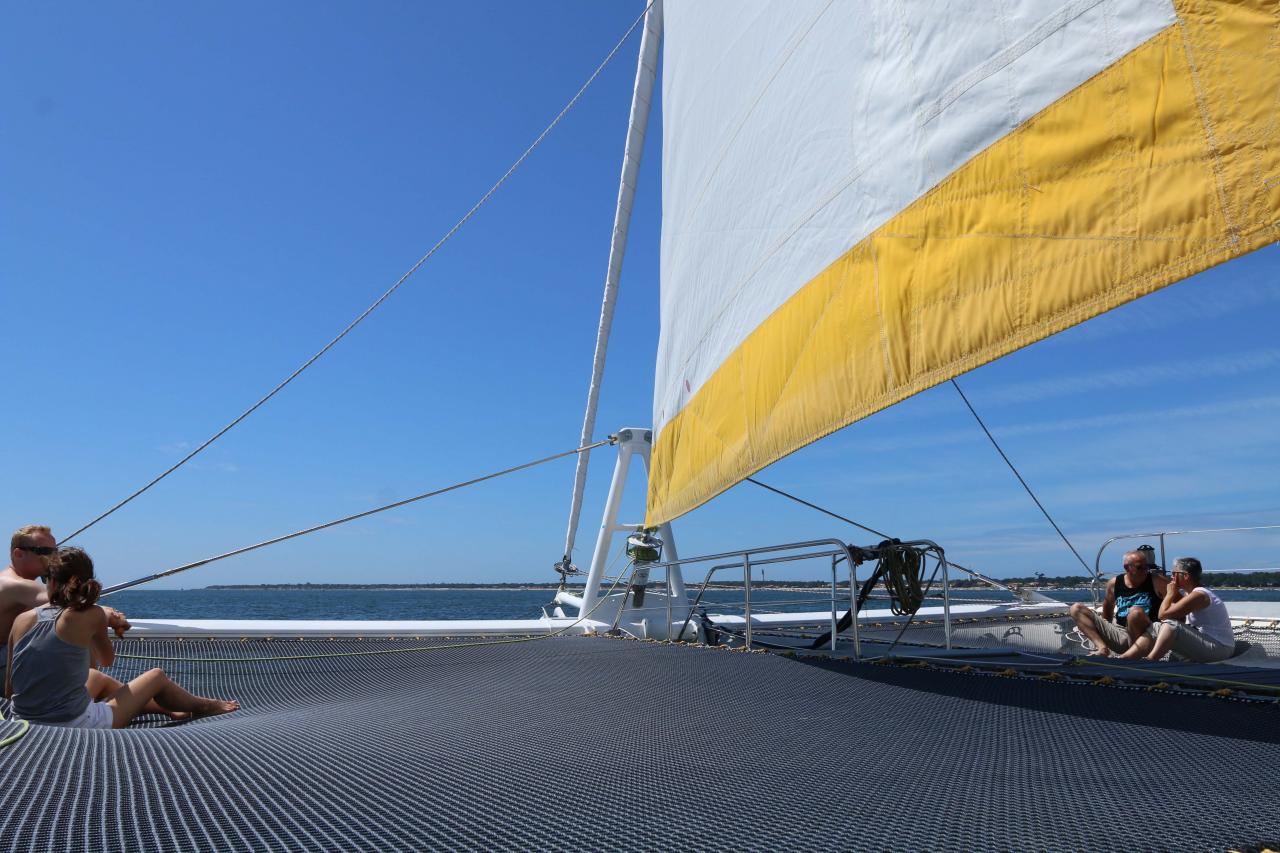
{"x": 818, "y": 508}
{"x": 996, "y": 445}
{"x": 824, "y": 511}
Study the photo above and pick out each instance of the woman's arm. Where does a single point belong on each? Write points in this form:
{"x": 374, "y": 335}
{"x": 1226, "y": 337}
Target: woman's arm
{"x": 1177, "y": 607}
{"x": 101, "y": 652}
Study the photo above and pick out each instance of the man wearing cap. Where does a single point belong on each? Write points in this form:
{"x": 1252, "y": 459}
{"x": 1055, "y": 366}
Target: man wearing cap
{"x": 1129, "y": 609}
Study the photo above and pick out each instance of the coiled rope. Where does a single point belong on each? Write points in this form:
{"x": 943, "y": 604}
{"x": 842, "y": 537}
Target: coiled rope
{"x": 23, "y": 727}
{"x": 902, "y": 579}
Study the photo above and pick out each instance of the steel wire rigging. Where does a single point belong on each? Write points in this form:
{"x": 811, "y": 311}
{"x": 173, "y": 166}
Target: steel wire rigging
{"x": 335, "y": 522}
{"x": 1014, "y": 469}
{"x": 387, "y": 294}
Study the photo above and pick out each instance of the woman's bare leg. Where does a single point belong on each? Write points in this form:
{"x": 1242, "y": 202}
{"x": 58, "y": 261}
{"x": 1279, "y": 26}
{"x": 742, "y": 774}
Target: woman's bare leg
{"x": 132, "y": 698}
{"x": 102, "y": 687}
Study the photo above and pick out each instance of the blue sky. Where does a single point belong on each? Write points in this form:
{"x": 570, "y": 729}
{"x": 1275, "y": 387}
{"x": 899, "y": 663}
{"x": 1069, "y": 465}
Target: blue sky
{"x": 195, "y": 199}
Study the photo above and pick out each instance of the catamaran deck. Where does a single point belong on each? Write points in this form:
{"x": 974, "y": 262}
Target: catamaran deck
{"x": 608, "y": 744}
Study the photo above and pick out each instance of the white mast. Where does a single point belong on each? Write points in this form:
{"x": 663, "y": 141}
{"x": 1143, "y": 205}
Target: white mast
{"x": 641, "y": 98}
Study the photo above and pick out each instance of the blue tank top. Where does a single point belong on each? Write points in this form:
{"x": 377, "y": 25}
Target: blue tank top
{"x": 1143, "y": 596}
{"x": 49, "y": 673}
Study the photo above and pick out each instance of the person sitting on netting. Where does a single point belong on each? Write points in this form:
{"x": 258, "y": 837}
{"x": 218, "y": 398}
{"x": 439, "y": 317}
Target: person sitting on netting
{"x": 1205, "y": 637}
{"x": 51, "y": 647}
{"x": 1132, "y": 600}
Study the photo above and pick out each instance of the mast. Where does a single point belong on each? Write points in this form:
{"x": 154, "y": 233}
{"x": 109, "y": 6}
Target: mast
{"x": 641, "y": 98}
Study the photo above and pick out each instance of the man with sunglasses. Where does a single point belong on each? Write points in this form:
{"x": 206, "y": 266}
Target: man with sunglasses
{"x": 1194, "y": 624}
{"x": 1133, "y": 602}
{"x": 31, "y": 550}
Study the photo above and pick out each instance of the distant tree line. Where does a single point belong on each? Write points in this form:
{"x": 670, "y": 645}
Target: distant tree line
{"x": 340, "y": 586}
{"x": 1212, "y": 579}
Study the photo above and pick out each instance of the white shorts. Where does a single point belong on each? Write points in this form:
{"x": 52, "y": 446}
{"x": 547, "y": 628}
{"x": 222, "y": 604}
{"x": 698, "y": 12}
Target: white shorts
{"x": 97, "y": 716}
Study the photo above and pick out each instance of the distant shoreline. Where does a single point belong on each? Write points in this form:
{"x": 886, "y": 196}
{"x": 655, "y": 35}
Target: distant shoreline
{"x": 551, "y": 586}
{"x": 385, "y": 587}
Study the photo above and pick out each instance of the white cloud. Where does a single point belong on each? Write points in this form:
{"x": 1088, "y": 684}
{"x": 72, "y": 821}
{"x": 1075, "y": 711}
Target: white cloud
{"x": 934, "y": 439}
{"x": 1141, "y": 376}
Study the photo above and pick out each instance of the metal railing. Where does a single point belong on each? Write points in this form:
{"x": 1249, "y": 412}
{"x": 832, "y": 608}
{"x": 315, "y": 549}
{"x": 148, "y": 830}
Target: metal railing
{"x": 745, "y": 560}
{"x": 1161, "y": 537}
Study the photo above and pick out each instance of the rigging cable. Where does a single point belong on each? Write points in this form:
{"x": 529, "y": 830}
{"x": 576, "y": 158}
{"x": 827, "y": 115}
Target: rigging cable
{"x": 383, "y": 298}
{"x": 871, "y": 530}
{"x": 996, "y": 445}
{"x": 127, "y": 584}
{"x": 971, "y": 572}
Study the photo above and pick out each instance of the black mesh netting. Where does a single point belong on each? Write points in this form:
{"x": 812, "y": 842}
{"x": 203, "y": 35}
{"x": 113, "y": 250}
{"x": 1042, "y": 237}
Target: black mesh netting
{"x": 595, "y": 744}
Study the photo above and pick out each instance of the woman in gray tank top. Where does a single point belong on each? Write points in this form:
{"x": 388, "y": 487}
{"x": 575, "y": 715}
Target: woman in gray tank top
{"x": 51, "y": 648}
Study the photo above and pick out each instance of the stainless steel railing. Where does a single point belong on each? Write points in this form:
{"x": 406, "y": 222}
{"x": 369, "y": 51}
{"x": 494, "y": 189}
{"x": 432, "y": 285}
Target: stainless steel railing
{"x": 834, "y": 550}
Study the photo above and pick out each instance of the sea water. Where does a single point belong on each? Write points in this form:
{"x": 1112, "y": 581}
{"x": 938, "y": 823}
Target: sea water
{"x": 472, "y": 603}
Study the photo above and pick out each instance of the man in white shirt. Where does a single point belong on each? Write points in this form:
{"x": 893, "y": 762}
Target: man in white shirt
{"x": 1206, "y": 635}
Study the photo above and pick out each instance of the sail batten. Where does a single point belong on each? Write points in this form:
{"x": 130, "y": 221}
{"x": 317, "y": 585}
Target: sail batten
{"x": 1065, "y": 163}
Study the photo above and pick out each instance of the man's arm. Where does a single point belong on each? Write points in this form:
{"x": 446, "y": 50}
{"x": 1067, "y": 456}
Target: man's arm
{"x": 1109, "y": 603}
{"x": 1177, "y": 606}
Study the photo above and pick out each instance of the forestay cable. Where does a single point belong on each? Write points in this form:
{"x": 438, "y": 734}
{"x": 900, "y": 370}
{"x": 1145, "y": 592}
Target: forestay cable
{"x": 127, "y": 584}
{"x": 383, "y": 298}
{"x": 996, "y": 445}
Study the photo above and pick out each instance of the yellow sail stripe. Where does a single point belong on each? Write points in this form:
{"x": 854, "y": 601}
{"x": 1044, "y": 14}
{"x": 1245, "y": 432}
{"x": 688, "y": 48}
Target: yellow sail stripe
{"x": 1162, "y": 165}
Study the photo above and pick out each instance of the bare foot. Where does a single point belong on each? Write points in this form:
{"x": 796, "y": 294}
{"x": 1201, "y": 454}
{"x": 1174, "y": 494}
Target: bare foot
{"x": 1102, "y": 653}
{"x": 178, "y": 716}
{"x": 213, "y": 707}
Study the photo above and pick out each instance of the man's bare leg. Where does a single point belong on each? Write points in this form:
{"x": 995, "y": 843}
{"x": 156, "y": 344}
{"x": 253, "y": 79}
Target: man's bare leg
{"x": 1136, "y": 624}
{"x": 1138, "y": 648}
{"x": 1083, "y": 617}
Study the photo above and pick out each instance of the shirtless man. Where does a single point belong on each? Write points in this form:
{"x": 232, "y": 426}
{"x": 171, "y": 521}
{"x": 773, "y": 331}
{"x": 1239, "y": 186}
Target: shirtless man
{"x": 30, "y": 550}
{"x": 1133, "y": 602}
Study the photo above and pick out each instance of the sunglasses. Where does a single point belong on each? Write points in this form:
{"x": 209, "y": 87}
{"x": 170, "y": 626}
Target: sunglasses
{"x": 39, "y": 550}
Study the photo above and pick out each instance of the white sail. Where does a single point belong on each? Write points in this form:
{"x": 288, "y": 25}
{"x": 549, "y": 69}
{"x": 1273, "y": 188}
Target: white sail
{"x": 861, "y": 200}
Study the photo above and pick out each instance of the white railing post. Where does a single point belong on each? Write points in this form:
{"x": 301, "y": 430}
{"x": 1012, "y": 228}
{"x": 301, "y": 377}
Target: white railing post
{"x": 627, "y": 441}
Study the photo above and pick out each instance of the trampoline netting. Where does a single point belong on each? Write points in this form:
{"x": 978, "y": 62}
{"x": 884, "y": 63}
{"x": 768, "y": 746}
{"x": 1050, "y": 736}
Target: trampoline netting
{"x": 600, "y": 744}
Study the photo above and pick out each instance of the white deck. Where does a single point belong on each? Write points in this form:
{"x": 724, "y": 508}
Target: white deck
{"x": 494, "y": 627}
{"x": 283, "y": 628}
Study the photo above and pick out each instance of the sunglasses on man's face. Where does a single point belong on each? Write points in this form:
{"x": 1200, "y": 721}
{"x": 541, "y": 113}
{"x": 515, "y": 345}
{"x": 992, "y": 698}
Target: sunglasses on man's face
{"x": 39, "y": 550}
